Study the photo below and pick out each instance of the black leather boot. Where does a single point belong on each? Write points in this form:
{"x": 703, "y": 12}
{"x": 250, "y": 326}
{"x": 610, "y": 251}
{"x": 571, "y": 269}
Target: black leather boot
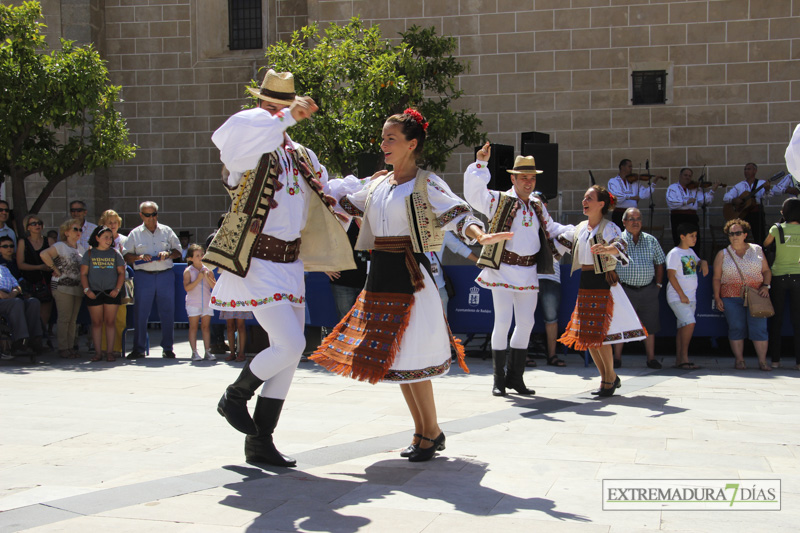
{"x": 499, "y": 367}
{"x": 233, "y": 404}
{"x": 516, "y": 368}
{"x": 260, "y": 448}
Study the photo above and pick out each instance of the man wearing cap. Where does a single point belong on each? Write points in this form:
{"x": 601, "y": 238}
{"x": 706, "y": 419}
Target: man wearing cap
{"x": 510, "y": 267}
{"x": 276, "y": 186}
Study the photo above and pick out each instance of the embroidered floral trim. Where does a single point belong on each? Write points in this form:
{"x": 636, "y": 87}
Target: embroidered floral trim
{"x": 452, "y": 214}
{"x": 566, "y": 243}
{"x": 277, "y": 297}
{"x": 631, "y": 334}
{"x": 412, "y": 375}
{"x": 349, "y": 208}
{"x": 491, "y": 284}
{"x": 436, "y": 186}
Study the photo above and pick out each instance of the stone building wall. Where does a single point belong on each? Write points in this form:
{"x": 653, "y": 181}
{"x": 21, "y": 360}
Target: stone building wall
{"x": 563, "y": 67}
{"x": 179, "y": 83}
{"x": 560, "y": 67}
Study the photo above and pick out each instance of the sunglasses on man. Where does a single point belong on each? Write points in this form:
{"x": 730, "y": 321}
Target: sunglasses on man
{"x": 148, "y": 215}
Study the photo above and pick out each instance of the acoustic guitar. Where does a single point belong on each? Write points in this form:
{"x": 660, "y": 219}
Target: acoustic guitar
{"x": 745, "y": 203}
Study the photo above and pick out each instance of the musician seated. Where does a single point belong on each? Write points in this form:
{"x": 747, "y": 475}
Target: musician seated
{"x": 788, "y": 185}
{"x": 683, "y": 199}
{"x": 744, "y": 201}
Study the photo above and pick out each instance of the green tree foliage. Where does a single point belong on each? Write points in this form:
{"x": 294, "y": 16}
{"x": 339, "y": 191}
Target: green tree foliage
{"x": 359, "y": 78}
{"x": 57, "y": 108}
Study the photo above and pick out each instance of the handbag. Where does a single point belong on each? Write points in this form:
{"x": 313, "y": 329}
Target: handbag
{"x": 127, "y": 292}
{"x": 758, "y": 306}
{"x": 38, "y": 289}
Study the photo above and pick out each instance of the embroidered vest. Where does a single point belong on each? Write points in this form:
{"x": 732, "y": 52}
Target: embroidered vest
{"x": 325, "y": 246}
{"x": 602, "y": 263}
{"x": 426, "y": 234}
{"x": 507, "y": 207}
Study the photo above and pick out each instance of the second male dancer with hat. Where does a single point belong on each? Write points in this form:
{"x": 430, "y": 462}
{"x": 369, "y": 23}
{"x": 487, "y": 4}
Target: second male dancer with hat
{"x": 510, "y": 267}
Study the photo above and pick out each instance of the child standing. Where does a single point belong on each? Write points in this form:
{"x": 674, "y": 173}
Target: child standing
{"x": 237, "y": 332}
{"x": 682, "y": 264}
{"x": 198, "y": 280}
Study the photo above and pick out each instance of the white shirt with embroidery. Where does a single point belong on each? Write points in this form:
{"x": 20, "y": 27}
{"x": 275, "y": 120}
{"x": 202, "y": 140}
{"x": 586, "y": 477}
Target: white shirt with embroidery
{"x": 242, "y": 140}
{"x": 525, "y": 227}
{"x": 624, "y": 191}
{"x": 679, "y": 198}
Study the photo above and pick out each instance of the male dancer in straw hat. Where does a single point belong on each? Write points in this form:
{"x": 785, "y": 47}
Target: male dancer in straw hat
{"x": 276, "y": 189}
{"x": 510, "y": 267}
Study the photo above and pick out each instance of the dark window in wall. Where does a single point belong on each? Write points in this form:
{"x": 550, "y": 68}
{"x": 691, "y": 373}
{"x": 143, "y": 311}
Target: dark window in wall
{"x": 244, "y": 24}
{"x": 649, "y": 87}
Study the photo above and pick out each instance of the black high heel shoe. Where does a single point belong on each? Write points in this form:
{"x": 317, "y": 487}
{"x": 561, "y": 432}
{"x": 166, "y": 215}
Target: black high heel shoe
{"x": 598, "y": 391}
{"x": 412, "y": 448}
{"x": 617, "y": 384}
{"x": 426, "y": 454}
{"x": 606, "y": 392}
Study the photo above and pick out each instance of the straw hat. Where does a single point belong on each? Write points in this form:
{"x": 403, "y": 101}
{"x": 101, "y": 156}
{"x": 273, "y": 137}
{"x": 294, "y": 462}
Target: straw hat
{"x": 278, "y": 88}
{"x": 524, "y": 165}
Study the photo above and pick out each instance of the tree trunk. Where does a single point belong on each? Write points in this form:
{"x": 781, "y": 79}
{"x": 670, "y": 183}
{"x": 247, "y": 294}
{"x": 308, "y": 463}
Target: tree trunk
{"x": 20, "y": 201}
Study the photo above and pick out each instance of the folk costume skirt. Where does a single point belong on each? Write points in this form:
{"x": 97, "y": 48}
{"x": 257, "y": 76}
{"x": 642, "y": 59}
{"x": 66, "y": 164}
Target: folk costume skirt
{"x": 602, "y": 315}
{"x": 396, "y": 331}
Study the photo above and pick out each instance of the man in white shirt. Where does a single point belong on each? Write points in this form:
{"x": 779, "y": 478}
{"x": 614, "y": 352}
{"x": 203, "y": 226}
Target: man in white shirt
{"x": 627, "y": 194}
{"x": 683, "y": 199}
{"x": 77, "y": 210}
{"x": 755, "y": 215}
{"x": 151, "y": 248}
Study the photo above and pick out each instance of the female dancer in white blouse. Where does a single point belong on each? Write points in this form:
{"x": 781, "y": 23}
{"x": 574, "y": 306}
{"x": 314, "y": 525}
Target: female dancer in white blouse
{"x": 397, "y": 331}
{"x": 603, "y": 314}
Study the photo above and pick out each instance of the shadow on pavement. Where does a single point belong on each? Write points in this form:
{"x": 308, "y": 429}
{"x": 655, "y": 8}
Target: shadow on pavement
{"x": 295, "y": 500}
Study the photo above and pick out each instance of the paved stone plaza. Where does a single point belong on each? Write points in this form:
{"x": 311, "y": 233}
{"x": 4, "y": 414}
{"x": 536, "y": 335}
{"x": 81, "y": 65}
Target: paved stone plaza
{"x": 132, "y": 447}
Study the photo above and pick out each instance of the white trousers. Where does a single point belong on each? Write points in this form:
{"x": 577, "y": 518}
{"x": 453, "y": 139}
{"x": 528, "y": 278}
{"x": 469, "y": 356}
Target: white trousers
{"x": 520, "y": 306}
{"x": 276, "y": 365}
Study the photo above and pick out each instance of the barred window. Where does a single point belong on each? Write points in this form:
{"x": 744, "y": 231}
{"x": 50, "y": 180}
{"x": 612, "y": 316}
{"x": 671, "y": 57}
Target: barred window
{"x": 244, "y": 24}
{"x": 649, "y": 87}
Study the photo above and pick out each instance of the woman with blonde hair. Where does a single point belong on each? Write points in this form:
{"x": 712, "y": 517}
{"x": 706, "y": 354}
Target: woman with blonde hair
{"x": 35, "y": 274}
{"x": 742, "y": 264}
{"x": 64, "y": 258}
{"x": 113, "y": 221}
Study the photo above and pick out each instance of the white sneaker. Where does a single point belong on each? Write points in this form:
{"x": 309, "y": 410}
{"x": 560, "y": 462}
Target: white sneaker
{"x": 6, "y": 357}
{"x": 196, "y": 356}
{"x": 210, "y": 356}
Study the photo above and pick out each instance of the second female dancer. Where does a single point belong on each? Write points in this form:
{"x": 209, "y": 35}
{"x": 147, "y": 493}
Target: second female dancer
{"x": 397, "y": 332}
{"x": 603, "y": 315}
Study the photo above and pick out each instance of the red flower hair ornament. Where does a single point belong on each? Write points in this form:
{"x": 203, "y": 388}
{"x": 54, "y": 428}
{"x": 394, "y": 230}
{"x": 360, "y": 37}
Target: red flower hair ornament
{"x": 416, "y": 115}
{"x": 613, "y": 201}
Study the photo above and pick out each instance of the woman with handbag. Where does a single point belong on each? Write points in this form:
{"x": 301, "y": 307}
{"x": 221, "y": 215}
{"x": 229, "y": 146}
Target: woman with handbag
{"x": 785, "y": 278}
{"x": 737, "y": 267}
{"x": 35, "y": 274}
